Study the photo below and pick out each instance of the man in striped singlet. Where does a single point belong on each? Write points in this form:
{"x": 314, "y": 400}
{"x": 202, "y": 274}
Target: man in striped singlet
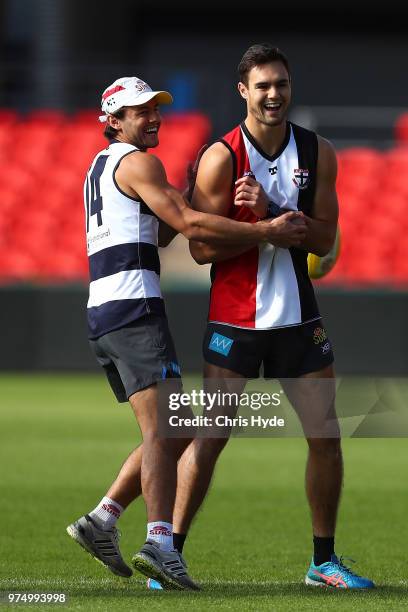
{"x": 130, "y": 210}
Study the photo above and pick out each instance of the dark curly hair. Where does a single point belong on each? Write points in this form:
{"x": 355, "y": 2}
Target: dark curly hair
{"x": 110, "y": 132}
{"x": 258, "y": 55}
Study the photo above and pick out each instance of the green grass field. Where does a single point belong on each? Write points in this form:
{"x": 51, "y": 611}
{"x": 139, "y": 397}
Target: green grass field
{"x": 62, "y": 439}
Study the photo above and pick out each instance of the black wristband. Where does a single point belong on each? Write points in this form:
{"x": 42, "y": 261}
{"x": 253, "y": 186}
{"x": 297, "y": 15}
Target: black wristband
{"x": 273, "y": 210}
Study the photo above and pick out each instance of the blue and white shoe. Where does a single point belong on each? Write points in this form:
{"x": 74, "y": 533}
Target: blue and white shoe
{"x": 334, "y": 574}
{"x": 154, "y": 585}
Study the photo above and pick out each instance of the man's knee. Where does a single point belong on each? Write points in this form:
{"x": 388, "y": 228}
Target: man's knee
{"x": 325, "y": 447}
{"x": 208, "y": 448}
{"x": 171, "y": 446}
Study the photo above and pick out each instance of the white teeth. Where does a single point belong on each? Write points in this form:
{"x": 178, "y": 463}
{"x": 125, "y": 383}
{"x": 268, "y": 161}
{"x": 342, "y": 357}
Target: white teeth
{"x": 272, "y": 105}
{"x": 151, "y": 131}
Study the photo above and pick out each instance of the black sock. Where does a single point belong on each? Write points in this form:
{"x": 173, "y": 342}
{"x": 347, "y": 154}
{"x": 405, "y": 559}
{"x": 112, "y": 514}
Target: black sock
{"x": 178, "y": 541}
{"x": 323, "y": 549}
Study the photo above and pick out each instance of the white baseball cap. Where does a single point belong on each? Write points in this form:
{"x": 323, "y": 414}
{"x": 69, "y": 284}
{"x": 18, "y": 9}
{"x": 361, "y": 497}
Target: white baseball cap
{"x": 129, "y": 91}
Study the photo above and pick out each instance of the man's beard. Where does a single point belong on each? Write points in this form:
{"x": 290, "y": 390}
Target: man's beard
{"x": 271, "y": 122}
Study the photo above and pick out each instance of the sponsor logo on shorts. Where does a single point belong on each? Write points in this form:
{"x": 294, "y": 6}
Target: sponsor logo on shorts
{"x": 111, "y": 509}
{"x": 173, "y": 369}
{"x": 325, "y": 348}
{"x": 319, "y": 335}
{"x": 220, "y": 344}
{"x": 160, "y": 530}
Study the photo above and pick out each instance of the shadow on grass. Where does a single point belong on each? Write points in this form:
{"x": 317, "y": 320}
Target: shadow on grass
{"x": 238, "y": 590}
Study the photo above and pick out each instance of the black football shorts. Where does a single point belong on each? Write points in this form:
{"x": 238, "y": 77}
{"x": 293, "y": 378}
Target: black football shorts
{"x": 137, "y": 356}
{"x": 286, "y": 352}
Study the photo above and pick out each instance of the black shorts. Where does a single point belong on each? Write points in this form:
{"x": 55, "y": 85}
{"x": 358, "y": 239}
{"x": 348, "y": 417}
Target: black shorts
{"x": 286, "y": 352}
{"x": 136, "y": 356}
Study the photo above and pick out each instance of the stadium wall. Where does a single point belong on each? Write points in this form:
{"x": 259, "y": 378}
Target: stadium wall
{"x": 44, "y": 329}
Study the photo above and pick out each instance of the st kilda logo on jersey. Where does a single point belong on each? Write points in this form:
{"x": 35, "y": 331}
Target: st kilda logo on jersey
{"x": 301, "y": 178}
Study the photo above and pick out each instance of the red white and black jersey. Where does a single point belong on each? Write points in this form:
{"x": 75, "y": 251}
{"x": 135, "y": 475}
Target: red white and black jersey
{"x": 268, "y": 287}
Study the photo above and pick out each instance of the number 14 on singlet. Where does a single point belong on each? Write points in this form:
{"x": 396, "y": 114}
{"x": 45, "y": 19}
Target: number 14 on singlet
{"x": 93, "y": 198}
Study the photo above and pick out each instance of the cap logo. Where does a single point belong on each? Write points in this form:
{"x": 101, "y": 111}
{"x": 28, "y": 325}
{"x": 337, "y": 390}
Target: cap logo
{"x": 141, "y": 86}
{"x": 111, "y": 91}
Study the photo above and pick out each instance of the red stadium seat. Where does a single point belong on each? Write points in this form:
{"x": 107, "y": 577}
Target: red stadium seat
{"x": 6, "y": 139}
{"x": 401, "y": 129}
{"x": 359, "y": 161}
{"x": 35, "y": 232}
{"x": 44, "y": 117}
{"x": 396, "y": 160}
{"x": 15, "y": 265}
{"x": 9, "y": 200}
{"x": 16, "y": 178}
{"x": 87, "y": 117}
{"x": 8, "y": 116}
{"x": 63, "y": 179}
{"x": 399, "y": 265}
{"x": 65, "y": 266}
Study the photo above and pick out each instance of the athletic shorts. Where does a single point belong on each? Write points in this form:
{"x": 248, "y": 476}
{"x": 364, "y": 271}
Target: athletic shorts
{"x": 137, "y": 356}
{"x": 286, "y": 352}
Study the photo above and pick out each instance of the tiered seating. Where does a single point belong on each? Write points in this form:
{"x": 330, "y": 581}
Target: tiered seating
{"x": 179, "y": 143}
{"x": 373, "y": 197}
{"x": 44, "y": 157}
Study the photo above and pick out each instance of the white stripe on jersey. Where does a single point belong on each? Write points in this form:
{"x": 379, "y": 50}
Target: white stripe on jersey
{"x": 122, "y": 221}
{"x": 277, "y": 292}
{"x": 128, "y": 285}
{"x": 279, "y": 186}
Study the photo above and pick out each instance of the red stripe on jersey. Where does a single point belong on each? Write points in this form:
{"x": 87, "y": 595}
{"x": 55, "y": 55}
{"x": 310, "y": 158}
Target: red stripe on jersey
{"x": 112, "y": 91}
{"x": 233, "y": 291}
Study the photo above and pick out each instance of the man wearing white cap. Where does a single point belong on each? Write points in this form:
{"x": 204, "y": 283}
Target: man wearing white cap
{"x": 130, "y": 209}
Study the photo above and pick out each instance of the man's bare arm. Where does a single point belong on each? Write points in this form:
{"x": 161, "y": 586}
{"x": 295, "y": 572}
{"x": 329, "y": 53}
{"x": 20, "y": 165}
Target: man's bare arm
{"x": 212, "y": 194}
{"x": 142, "y": 176}
{"x": 166, "y": 234}
{"x": 211, "y": 253}
{"x": 322, "y": 225}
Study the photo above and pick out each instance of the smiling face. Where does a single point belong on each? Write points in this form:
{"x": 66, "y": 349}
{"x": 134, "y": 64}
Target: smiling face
{"x": 267, "y": 93}
{"x": 139, "y": 126}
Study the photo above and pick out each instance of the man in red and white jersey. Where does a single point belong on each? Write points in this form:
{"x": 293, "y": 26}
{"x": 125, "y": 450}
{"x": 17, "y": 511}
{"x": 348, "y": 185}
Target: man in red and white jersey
{"x": 263, "y": 310}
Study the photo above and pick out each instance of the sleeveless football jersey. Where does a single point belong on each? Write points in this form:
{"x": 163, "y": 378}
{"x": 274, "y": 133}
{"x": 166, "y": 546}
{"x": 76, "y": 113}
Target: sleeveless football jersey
{"x": 268, "y": 287}
{"x": 122, "y": 240}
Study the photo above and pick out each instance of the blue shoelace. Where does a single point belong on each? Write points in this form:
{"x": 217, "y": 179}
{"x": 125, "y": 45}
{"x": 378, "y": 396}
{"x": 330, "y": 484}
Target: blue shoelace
{"x": 344, "y": 568}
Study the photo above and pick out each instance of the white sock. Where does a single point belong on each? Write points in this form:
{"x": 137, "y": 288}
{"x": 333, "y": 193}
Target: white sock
{"x": 106, "y": 513}
{"x": 162, "y": 533}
